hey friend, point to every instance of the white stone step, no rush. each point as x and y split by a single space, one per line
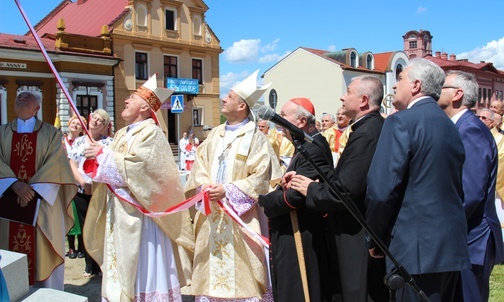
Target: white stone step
15 269
52 295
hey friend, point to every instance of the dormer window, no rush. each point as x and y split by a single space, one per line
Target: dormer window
369 61
353 59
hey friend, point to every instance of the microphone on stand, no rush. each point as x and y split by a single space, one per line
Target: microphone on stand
267 113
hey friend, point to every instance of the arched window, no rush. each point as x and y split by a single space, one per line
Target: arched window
141 15
353 61
399 69
197 25
369 61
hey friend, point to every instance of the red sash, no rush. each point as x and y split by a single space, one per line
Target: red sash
22 162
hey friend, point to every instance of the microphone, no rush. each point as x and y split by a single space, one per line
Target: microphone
267 113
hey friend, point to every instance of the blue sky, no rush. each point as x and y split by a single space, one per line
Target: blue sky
256 34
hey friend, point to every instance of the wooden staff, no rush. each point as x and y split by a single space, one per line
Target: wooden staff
300 254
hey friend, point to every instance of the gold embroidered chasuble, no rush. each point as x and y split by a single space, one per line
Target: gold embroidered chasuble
228 263
499 140
145 162
51 166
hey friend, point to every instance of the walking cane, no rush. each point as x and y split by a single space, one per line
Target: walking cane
300 254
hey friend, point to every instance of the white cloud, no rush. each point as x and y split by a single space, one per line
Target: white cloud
247 51
421 10
270 46
332 47
228 80
273 57
492 52
243 51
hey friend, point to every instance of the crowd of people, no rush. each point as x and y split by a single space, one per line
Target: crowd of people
282 219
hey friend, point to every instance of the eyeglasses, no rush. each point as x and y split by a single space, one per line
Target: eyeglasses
449 86
482 117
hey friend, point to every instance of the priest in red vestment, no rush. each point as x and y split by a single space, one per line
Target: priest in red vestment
34 167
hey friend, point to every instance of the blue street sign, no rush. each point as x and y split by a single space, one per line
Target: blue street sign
177 103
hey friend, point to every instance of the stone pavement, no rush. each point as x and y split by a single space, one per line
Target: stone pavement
75 283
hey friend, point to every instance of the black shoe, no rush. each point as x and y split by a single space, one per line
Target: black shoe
80 255
72 254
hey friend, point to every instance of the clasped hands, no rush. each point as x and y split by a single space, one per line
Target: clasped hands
24 192
297 182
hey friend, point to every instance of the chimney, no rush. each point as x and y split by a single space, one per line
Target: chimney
79 2
438 54
444 56
453 57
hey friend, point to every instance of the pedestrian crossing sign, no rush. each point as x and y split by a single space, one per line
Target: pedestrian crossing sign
177 103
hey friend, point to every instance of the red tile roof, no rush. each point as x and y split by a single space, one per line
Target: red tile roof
381 60
24 42
28 43
449 64
83 19
322 53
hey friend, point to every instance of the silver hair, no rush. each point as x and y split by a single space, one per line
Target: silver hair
331 116
37 97
492 116
310 118
429 74
372 87
467 82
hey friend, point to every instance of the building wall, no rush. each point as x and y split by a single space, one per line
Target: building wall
303 74
37 72
158 42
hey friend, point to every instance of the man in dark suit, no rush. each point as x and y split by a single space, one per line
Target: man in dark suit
459 94
414 194
280 204
361 103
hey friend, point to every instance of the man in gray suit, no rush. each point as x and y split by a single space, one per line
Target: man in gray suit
414 193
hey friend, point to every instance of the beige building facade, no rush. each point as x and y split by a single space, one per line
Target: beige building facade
170 38
105 50
323 76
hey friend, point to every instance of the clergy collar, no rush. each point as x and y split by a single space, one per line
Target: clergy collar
26 126
237 126
133 126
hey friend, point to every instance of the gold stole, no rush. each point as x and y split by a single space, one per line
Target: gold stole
22 163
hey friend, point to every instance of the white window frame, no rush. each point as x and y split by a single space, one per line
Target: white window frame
3 104
372 61
175 18
200 115
202 68
178 62
148 60
94 91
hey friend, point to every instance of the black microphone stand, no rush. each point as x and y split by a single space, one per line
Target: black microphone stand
395 279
